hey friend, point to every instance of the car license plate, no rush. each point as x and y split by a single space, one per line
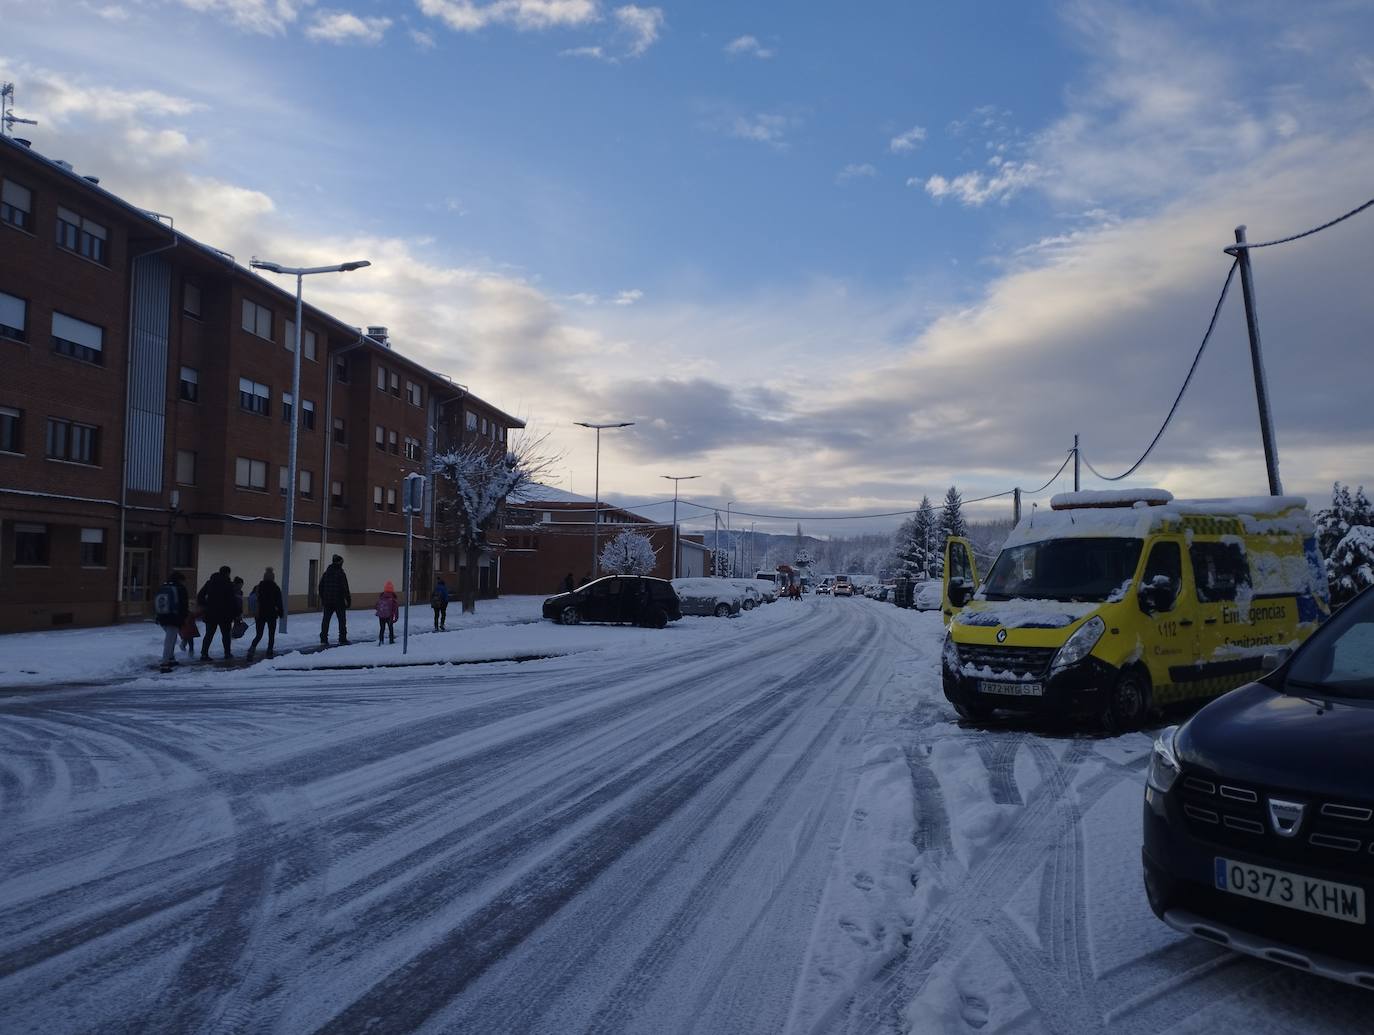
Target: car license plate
1291 890
988 686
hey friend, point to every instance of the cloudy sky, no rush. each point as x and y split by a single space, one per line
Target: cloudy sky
829 257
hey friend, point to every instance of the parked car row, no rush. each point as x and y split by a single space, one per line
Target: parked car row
653 603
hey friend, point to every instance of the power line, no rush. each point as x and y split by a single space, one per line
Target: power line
1216 312
1297 237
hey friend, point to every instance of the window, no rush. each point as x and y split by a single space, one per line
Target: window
183 550
30 546
11 430
13 317
377 498
391 500
380 439
413 394
308 414
381 379
412 448
336 493
77 338
391 442
250 474
190 385
76 443
1219 570
16 205
287 409
306 481
341 370
1165 563
283 479
257 319
186 467
484 425
190 299
307 340
396 385
78 234
254 397
93 548
340 431
502 434
470 419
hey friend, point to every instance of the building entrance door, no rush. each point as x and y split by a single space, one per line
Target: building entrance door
136 592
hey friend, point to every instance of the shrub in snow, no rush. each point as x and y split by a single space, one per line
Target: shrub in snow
629 553
1351 564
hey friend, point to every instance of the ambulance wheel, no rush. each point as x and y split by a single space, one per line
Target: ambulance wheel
1128 703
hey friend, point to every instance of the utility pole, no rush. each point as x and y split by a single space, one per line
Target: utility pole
1075 463
1016 506
1247 289
675 479
596 507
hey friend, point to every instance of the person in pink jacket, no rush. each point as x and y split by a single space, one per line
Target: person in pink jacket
387 609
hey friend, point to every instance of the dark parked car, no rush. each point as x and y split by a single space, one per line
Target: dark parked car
623 599
1259 810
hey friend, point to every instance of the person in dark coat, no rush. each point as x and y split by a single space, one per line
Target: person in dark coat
335 599
568 584
439 601
268 595
173 609
221 606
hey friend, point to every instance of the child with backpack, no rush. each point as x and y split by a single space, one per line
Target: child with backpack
439 601
387 609
171 605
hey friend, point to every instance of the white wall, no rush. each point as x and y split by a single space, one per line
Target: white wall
367 567
691 560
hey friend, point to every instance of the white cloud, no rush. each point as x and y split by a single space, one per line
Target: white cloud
109 12
422 39
267 17
596 53
975 189
629 297
855 171
346 27
908 141
748 46
763 128
525 15
641 25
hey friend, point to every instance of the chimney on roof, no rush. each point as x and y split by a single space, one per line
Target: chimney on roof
92 179
62 163
379 334
22 142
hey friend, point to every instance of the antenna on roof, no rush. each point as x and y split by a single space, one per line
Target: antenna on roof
8 119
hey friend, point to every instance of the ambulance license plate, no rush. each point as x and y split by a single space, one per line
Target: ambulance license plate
989 686
1291 890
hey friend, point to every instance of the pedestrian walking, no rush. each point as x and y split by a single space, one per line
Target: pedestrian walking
387 609
172 606
190 631
335 599
221 606
439 601
266 597
568 584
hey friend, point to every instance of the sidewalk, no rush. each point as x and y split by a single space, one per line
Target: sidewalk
114 653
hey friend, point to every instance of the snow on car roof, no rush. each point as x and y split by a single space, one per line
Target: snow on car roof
1257 514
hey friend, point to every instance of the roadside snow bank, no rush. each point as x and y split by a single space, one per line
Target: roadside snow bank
975 820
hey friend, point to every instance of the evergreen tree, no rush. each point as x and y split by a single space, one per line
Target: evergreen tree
917 543
1350 568
1348 511
951 517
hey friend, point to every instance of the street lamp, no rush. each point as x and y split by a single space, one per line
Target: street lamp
675 478
728 537
299 272
596 509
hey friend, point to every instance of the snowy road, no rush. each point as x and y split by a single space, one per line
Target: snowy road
760 825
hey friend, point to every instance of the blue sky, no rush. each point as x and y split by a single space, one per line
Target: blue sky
828 256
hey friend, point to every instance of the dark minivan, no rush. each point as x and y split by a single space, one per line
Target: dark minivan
1259 810
627 599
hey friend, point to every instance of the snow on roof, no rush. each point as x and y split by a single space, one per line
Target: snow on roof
1109 498
537 492
1257 514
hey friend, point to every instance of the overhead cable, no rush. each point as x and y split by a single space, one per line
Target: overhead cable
1211 326
1232 249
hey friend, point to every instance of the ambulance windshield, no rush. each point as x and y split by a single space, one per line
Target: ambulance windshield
1063 569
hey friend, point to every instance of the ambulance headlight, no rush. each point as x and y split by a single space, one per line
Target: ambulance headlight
1079 645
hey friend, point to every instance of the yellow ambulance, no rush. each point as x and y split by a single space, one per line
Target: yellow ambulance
1114 603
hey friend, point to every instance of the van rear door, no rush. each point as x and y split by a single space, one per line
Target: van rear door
961 574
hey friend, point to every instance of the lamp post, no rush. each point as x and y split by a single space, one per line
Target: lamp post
675 478
299 272
728 537
596 508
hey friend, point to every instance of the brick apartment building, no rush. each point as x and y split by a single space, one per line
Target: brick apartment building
548 535
145 415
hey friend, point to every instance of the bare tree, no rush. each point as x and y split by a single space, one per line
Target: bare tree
471 484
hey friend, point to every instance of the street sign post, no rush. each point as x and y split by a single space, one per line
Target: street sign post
413 499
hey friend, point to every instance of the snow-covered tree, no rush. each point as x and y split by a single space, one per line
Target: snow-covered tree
629 553
1351 564
919 542
1347 510
803 559
471 484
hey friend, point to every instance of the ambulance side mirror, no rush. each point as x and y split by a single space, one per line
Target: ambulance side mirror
1158 594
960 591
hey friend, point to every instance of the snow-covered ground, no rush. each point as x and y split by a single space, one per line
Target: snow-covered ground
772 824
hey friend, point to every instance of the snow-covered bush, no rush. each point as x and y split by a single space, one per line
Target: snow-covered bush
629 553
1351 564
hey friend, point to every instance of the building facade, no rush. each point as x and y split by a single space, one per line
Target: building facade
146 411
